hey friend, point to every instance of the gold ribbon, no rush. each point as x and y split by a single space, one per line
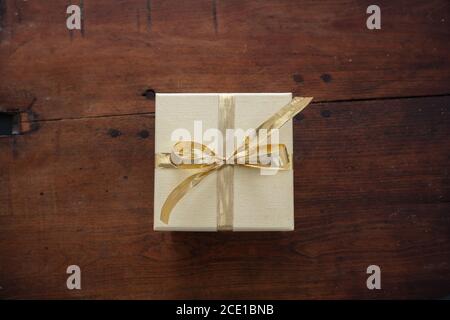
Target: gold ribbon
225 176
194 155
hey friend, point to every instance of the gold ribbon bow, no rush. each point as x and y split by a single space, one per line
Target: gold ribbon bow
194 155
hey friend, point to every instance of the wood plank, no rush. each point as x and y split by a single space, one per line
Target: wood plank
314 48
371 187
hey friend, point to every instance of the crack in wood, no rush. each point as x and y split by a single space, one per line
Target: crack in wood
152 113
83 18
18 11
214 14
2 16
149 15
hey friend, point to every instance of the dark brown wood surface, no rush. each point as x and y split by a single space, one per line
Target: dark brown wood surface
372 168
315 48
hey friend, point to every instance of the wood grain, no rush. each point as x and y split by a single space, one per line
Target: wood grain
371 187
314 48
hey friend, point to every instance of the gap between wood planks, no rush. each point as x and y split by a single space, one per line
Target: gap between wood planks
152 113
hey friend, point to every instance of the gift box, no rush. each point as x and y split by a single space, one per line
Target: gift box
212 196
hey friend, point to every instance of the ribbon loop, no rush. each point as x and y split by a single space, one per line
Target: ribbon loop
192 155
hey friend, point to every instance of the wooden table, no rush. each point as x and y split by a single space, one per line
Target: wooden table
372 184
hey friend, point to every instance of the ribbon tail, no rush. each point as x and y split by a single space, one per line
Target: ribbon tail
276 121
285 114
181 190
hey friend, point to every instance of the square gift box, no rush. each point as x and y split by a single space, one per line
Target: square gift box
258 202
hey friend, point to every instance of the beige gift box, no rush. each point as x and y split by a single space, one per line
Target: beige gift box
260 202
